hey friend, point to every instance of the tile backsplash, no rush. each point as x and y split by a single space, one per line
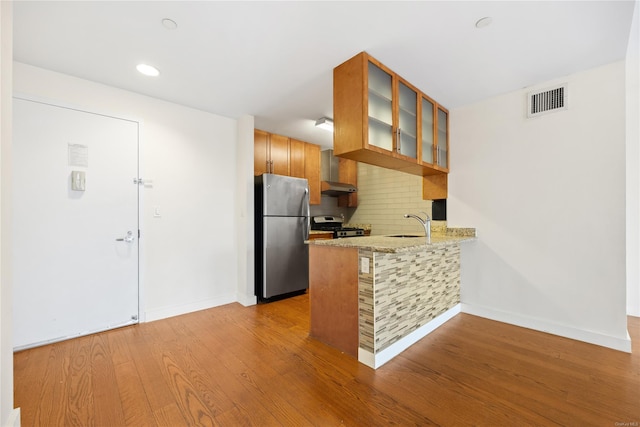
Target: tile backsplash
384 196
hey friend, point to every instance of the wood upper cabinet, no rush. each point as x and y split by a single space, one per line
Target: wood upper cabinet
286 156
442 139
435 150
271 153
312 171
434 134
261 157
296 158
435 187
279 152
348 173
427 130
381 119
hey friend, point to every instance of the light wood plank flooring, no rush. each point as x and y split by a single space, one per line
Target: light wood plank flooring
235 366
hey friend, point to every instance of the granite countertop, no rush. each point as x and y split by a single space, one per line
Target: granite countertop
400 244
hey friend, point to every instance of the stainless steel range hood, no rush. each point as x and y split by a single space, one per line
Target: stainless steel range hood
330 185
332 188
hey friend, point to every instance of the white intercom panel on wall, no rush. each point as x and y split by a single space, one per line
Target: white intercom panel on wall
77 181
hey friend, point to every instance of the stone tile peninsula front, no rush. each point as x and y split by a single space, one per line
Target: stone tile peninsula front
372 297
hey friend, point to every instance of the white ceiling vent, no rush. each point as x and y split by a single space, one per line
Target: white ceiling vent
547 101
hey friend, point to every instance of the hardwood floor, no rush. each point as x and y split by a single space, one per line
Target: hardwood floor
233 366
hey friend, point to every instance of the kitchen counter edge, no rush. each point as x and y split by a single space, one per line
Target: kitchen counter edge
400 244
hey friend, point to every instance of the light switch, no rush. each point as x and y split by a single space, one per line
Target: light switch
364 265
156 212
77 180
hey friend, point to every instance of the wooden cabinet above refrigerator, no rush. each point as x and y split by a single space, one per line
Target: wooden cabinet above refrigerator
286 156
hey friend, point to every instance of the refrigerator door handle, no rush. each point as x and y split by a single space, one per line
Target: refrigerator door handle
307 214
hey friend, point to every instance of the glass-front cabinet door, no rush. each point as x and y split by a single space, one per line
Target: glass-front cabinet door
443 130
384 120
427 131
407 132
380 107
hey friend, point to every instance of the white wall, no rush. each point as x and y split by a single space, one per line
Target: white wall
245 212
633 165
189 255
8 416
547 196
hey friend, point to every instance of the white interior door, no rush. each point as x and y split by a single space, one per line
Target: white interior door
75 268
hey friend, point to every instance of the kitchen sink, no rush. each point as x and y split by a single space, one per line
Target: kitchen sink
405 235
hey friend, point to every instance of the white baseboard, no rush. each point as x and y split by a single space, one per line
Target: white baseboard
590 337
247 300
14 418
177 310
376 360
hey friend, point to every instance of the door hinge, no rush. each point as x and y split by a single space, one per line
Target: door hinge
138 234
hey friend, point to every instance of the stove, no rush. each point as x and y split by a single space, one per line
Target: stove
334 224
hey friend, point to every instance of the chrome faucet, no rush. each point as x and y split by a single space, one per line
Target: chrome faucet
426 223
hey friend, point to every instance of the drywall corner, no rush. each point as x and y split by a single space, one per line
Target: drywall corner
7 412
244 211
632 155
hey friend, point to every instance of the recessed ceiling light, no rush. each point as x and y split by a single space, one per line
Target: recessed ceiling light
169 24
484 22
148 70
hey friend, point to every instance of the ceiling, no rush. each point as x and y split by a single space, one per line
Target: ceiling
274 60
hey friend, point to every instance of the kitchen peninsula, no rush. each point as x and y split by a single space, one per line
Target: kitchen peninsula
372 297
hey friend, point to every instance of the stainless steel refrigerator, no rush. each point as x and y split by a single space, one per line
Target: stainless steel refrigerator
281 227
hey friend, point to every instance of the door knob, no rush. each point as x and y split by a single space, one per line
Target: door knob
128 238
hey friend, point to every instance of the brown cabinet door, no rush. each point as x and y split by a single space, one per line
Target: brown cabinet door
312 172
289 157
279 151
296 158
406 115
427 131
442 139
348 173
260 152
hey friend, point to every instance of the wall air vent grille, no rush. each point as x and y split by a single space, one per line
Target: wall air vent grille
547 101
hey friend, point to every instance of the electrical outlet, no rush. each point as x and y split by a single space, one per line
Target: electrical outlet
364 265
